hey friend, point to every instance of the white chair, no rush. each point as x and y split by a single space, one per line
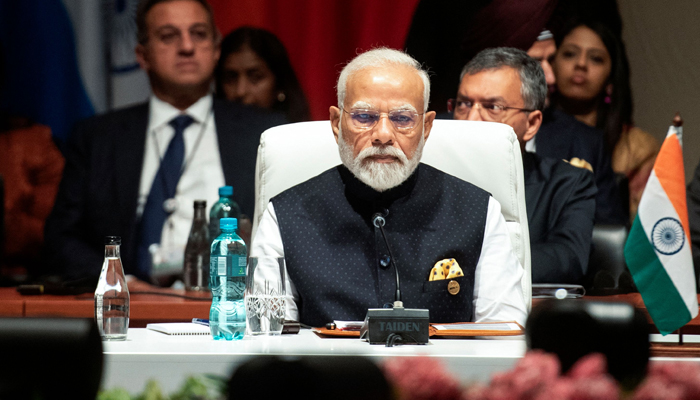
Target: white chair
486 154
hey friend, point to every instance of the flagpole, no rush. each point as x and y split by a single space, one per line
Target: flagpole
678 122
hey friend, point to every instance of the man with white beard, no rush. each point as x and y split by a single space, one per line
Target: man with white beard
337 260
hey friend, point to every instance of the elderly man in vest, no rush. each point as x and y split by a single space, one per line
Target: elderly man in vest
337 261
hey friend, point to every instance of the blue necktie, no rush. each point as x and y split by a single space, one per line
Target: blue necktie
163 188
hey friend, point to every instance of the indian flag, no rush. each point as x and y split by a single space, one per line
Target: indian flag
658 246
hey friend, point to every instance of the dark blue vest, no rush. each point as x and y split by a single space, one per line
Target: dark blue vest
338 260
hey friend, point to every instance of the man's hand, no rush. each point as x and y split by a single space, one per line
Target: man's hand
581 163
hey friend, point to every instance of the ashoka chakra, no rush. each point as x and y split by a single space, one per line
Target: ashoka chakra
667 236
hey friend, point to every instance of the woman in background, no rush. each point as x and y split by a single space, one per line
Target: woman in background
254 69
592 75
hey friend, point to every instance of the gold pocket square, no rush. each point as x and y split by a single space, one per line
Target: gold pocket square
445 269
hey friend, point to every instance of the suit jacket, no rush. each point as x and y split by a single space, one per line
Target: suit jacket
561 136
560 201
98 194
694 220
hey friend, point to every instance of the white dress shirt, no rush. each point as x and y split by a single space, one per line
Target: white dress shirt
498 294
203 174
531 146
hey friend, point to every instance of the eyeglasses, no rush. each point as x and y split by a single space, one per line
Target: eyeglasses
199 34
367 119
487 110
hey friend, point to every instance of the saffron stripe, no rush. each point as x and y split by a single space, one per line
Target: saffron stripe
670 171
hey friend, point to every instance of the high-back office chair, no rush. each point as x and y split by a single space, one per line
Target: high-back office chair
607 270
50 358
486 154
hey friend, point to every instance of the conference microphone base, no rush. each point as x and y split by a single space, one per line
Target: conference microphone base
396 325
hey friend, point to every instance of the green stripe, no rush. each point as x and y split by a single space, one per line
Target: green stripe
661 297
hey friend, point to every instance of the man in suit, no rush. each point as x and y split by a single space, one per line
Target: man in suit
562 136
135 172
506 85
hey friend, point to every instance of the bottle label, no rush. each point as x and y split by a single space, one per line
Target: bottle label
231 265
238 270
221 268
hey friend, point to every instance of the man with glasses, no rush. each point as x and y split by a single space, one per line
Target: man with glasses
337 260
135 172
506 85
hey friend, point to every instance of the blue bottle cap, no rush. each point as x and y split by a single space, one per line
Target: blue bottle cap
228 223
226 191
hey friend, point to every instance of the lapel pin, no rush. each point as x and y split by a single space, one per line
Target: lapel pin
453 287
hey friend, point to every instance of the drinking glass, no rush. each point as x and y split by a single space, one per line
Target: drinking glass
265 295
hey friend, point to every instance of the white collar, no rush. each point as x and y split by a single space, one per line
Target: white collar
161 112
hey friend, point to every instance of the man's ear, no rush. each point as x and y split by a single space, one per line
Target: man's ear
428 119
217 44
335 121
534 121
217 52
141 57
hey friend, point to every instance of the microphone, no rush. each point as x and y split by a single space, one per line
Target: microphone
398 324
378 221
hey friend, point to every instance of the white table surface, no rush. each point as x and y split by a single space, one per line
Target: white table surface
170 359
148 355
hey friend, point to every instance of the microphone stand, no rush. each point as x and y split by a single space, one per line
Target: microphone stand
397 324
378 221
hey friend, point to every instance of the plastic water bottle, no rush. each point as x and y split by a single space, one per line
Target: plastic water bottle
112 294
227 270
225 207
196 270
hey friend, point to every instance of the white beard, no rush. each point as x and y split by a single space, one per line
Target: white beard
379 176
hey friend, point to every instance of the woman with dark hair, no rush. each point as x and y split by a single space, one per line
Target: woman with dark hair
592 74
254 69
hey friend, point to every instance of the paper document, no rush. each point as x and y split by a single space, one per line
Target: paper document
179 328
348 325
504 326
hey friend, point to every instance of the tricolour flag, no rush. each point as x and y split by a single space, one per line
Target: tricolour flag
658 246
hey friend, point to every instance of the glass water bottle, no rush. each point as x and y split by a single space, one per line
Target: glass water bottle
112 294
196 271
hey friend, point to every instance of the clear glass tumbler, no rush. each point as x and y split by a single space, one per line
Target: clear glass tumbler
265 295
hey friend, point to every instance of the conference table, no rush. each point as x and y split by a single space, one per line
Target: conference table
148 354
169 360
148 304
153 304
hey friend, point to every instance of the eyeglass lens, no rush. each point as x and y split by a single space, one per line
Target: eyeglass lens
401 119
486 109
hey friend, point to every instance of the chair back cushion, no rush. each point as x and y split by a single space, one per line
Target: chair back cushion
486 154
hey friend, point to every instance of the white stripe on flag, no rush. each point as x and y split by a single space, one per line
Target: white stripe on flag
654 206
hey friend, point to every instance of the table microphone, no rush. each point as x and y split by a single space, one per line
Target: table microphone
398 324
